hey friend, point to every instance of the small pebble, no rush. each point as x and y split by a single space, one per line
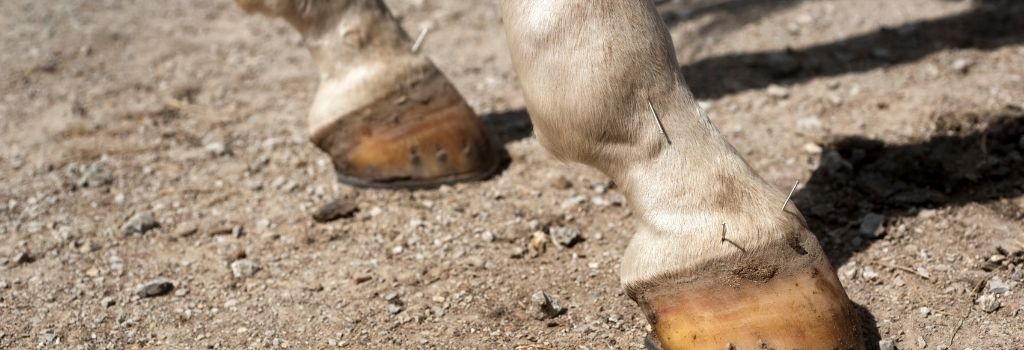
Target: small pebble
107 302
334 210
217 148
869 273
394 309
812 148
997 286
561 183
988 303
538 243
777 91
564 236
487 236
921 343
543 306
811 123
95 175
886 345
573 202
962 65
244 268
872 225
47 338
22 258
140 223
154 288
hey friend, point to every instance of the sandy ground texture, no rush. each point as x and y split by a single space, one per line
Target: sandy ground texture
162 144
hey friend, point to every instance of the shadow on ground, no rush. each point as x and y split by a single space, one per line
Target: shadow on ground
989 25
976 158
725 15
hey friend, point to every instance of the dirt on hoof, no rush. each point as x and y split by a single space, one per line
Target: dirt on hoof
193 112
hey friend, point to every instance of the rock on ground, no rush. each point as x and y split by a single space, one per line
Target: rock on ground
244 268
140 223
543 306
154 288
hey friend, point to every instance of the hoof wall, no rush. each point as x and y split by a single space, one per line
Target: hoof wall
807 310
425 136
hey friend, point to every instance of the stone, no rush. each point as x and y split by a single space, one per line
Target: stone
871 225
921 343
95 175
217 148
154 288
543 306
777 91
487 236
869 273
23 257
924 311
573 202
810 123
334 210
997 286
833 162
107 302
886 345
48 338
538 243
988 303
812 148
561 183
394 309
564 236
244 268
962 65
140 223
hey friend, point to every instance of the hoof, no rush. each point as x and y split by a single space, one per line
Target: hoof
421 135
807 309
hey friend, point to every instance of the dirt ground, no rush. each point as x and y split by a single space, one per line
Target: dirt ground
908 111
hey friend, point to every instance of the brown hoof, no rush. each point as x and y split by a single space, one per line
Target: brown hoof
804 310
421 135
